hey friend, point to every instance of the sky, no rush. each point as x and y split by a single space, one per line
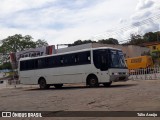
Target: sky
65 21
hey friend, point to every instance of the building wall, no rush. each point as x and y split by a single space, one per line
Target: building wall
128 50
74 48
154 47
135 51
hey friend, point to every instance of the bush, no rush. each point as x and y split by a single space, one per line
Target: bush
6 65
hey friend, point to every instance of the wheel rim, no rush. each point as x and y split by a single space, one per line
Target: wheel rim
42 84
93 81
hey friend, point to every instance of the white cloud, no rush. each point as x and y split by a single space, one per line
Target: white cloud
11 6
146 18
140 15
63 22
144 4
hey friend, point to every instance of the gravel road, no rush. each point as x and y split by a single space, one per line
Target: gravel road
142 95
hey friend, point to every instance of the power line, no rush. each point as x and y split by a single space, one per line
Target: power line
138 24
154 17
118 32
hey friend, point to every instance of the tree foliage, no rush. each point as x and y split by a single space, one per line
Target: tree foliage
103 41
41 43
147 37
109 41
80 42
18 42
152 36
6 65
136 39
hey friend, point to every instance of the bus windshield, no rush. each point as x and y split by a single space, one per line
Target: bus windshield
117 59
105 59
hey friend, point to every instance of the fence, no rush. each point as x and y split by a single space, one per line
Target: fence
145 74
13 82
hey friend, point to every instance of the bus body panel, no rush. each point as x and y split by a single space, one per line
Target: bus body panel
118 74
27 77
72 74
68 77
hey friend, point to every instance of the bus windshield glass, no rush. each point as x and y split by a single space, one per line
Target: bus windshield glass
106 58
117 59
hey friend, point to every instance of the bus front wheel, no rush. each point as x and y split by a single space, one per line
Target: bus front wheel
42 84
92 81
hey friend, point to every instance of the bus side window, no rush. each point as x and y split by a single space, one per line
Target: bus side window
51 62
26 65
88 57
84 57
66 60
69 59
22 65
41 63
62 60
31 64
76 59
46 62
96 58
35 63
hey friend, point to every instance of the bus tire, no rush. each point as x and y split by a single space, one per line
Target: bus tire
43 84
107 84
58 86
48 86
92 81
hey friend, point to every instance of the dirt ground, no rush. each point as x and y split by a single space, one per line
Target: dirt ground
142 95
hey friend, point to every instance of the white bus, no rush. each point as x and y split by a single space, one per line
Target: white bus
92 66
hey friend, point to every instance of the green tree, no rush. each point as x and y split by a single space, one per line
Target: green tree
1 49
147 37
137 40
109 41
150 36
17 43
6 65
26 43
11 43
80 42
41 43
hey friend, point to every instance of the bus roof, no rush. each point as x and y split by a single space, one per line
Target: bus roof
75 51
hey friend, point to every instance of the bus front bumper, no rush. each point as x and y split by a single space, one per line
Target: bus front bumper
117 78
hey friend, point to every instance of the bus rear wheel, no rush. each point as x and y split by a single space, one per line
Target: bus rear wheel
58 86
93 81
42 84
